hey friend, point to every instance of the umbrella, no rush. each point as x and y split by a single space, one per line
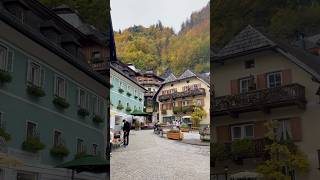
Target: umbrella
139 113
86 163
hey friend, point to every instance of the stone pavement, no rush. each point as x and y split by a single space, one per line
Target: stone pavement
150 157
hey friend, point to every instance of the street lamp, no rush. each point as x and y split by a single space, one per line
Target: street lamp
226 169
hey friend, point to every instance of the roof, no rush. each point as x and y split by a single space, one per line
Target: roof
170 78
187 74
249 39
255 41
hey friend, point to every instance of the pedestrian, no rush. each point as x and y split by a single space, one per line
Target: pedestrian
178 124
126 131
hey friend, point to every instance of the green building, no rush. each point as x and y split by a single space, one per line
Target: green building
51 101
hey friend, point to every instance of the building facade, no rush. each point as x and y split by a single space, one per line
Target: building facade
151 82
260 82
49 96
177 98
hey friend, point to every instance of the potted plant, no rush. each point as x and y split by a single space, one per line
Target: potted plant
4 134
121 90
184 128
128 94
241 149
35 90
128 109
59 151
83 112
97 119
5 77
120 106
32 144
174 134
60 102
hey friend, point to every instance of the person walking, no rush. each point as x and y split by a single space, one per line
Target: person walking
126 131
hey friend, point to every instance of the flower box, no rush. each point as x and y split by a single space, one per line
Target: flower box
59 151
35 91
97 119
32 144
175 135
5 135
184 129
60 102
5 77
83 112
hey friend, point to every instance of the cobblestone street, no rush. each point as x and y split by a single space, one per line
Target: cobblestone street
150 157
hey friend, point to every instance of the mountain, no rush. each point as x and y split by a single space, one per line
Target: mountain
158 48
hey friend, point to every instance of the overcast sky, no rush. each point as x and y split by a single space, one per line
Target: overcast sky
126 13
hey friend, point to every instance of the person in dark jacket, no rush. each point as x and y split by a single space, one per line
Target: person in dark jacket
126 131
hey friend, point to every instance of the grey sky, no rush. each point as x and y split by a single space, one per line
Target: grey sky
126 13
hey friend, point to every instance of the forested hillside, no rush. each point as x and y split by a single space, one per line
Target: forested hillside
159 48
282 18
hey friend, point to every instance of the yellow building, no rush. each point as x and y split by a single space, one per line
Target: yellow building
177 98
258 79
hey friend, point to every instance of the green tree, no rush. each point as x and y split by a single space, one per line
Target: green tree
197 115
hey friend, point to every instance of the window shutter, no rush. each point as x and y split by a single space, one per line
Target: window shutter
235 86
296 130
42 78
261 81
287 77
10 61
223 134
260 129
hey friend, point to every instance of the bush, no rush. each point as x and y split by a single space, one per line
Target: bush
61 102
97 119
242 149
218 151
4 134
32 144
59 151
35 91
121 90
83 112
5 77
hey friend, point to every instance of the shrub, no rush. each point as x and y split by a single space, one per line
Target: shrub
242 149
35 91
61 102
128 94
83 112
97 119
121 90
32 144
218 151
5 77
4 134
59 151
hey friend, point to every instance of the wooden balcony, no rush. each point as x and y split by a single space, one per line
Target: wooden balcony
194 92
264 100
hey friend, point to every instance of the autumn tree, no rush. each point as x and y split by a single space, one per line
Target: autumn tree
197 115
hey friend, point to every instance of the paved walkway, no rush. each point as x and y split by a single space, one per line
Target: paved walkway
150 157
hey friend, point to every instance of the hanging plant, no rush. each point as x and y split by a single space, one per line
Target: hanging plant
33 144
35 91
5 77
83 112
121 90
60 102
97 119
59 151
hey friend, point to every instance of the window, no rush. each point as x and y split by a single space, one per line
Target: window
31 129
244 85
98 105
283 130
94 149
80 146
60 87
6 59
83 99
249 64
57 139
35 74
242 131
198 102
274 79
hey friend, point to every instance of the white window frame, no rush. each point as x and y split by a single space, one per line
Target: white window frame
33 123
274 73
243 89
56 130
56 90
243 135
82 145
41 74
8 59
85 105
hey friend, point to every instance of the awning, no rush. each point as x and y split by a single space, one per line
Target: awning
139 113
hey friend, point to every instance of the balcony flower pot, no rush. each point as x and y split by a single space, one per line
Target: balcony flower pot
136 97
59 151
120 107
128 109
60 102
35 91
128 94
121 90
97 119
4 134
83 112
32 144
174 134
5 77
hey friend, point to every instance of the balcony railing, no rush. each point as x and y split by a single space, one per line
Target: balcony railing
292 94
194 92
